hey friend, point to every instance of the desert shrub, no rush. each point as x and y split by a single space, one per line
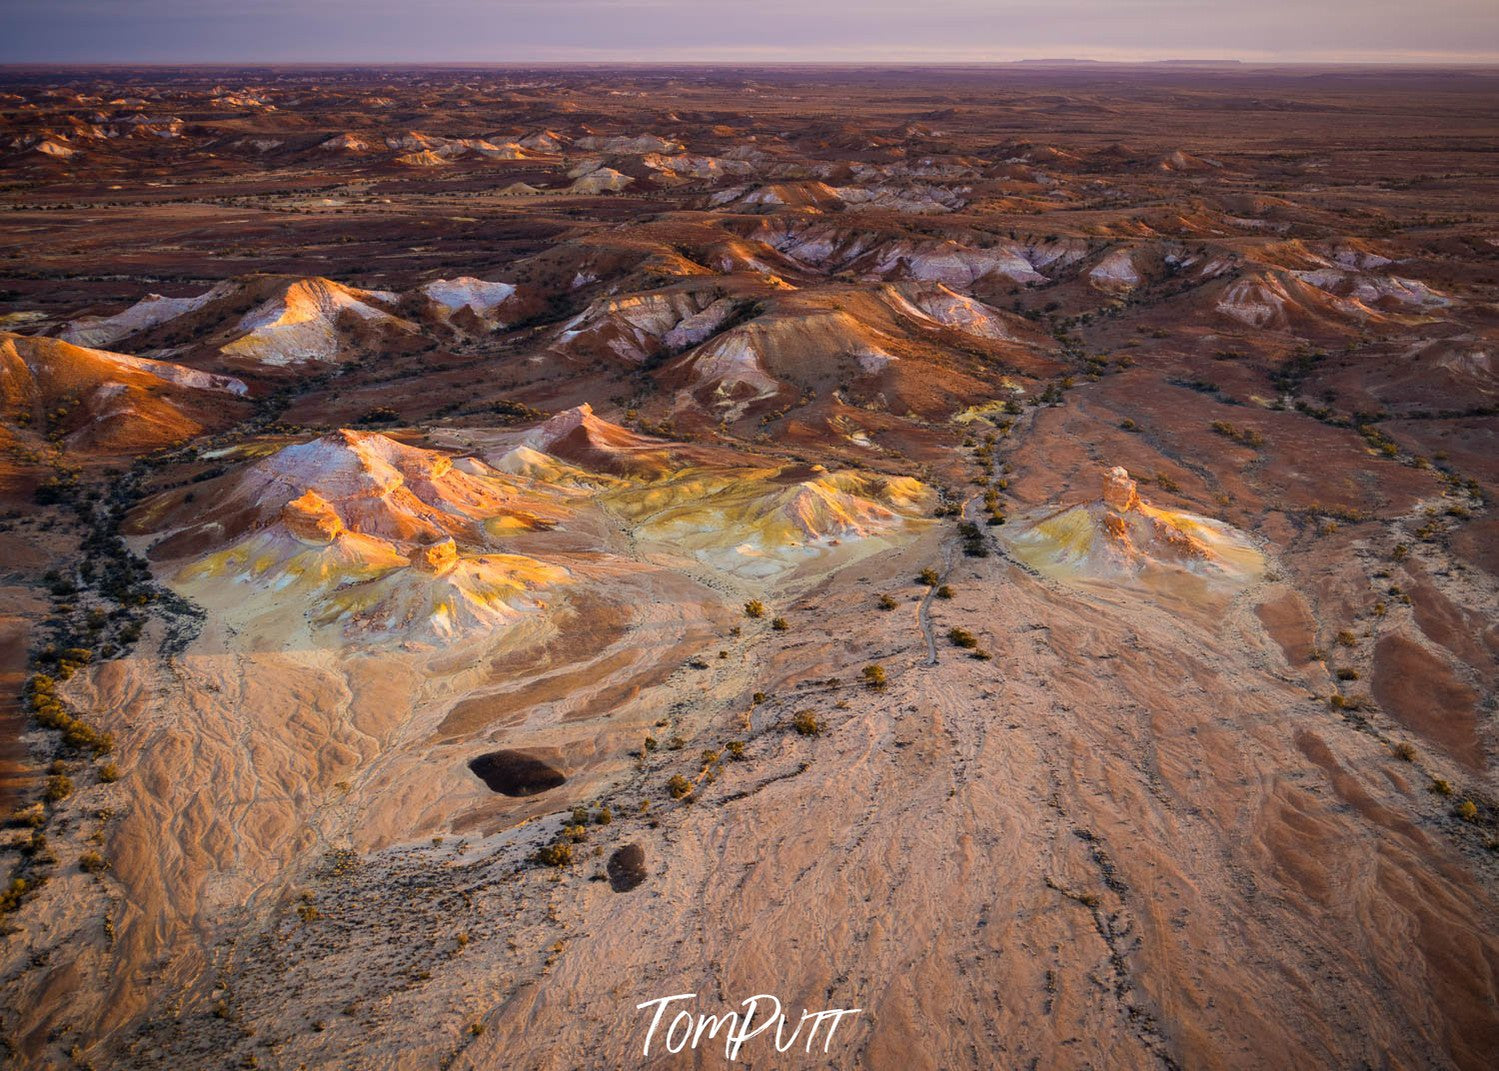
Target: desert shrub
34 816
1405 751
886 602
516 410
92 863
945 591
973 540
576 833
59 787
1467 810
11 898
678 787
928 577
805 722
381 414
109 773
780 624
1346 674
558 853
1243 436
1441 786
754 608
874 675
1347 639
735 748
961 637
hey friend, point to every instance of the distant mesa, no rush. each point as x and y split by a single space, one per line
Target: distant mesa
151 311
349 143
601 180
946 307
423 158
477 297
303 323
1185 161
630 145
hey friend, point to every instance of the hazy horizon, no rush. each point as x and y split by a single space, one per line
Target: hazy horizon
721 31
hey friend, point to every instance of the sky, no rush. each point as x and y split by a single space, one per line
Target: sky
731 31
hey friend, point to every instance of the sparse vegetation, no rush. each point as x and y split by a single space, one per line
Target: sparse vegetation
961 637
806 723
874 675
974 544
1242 436
754 608
558 854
